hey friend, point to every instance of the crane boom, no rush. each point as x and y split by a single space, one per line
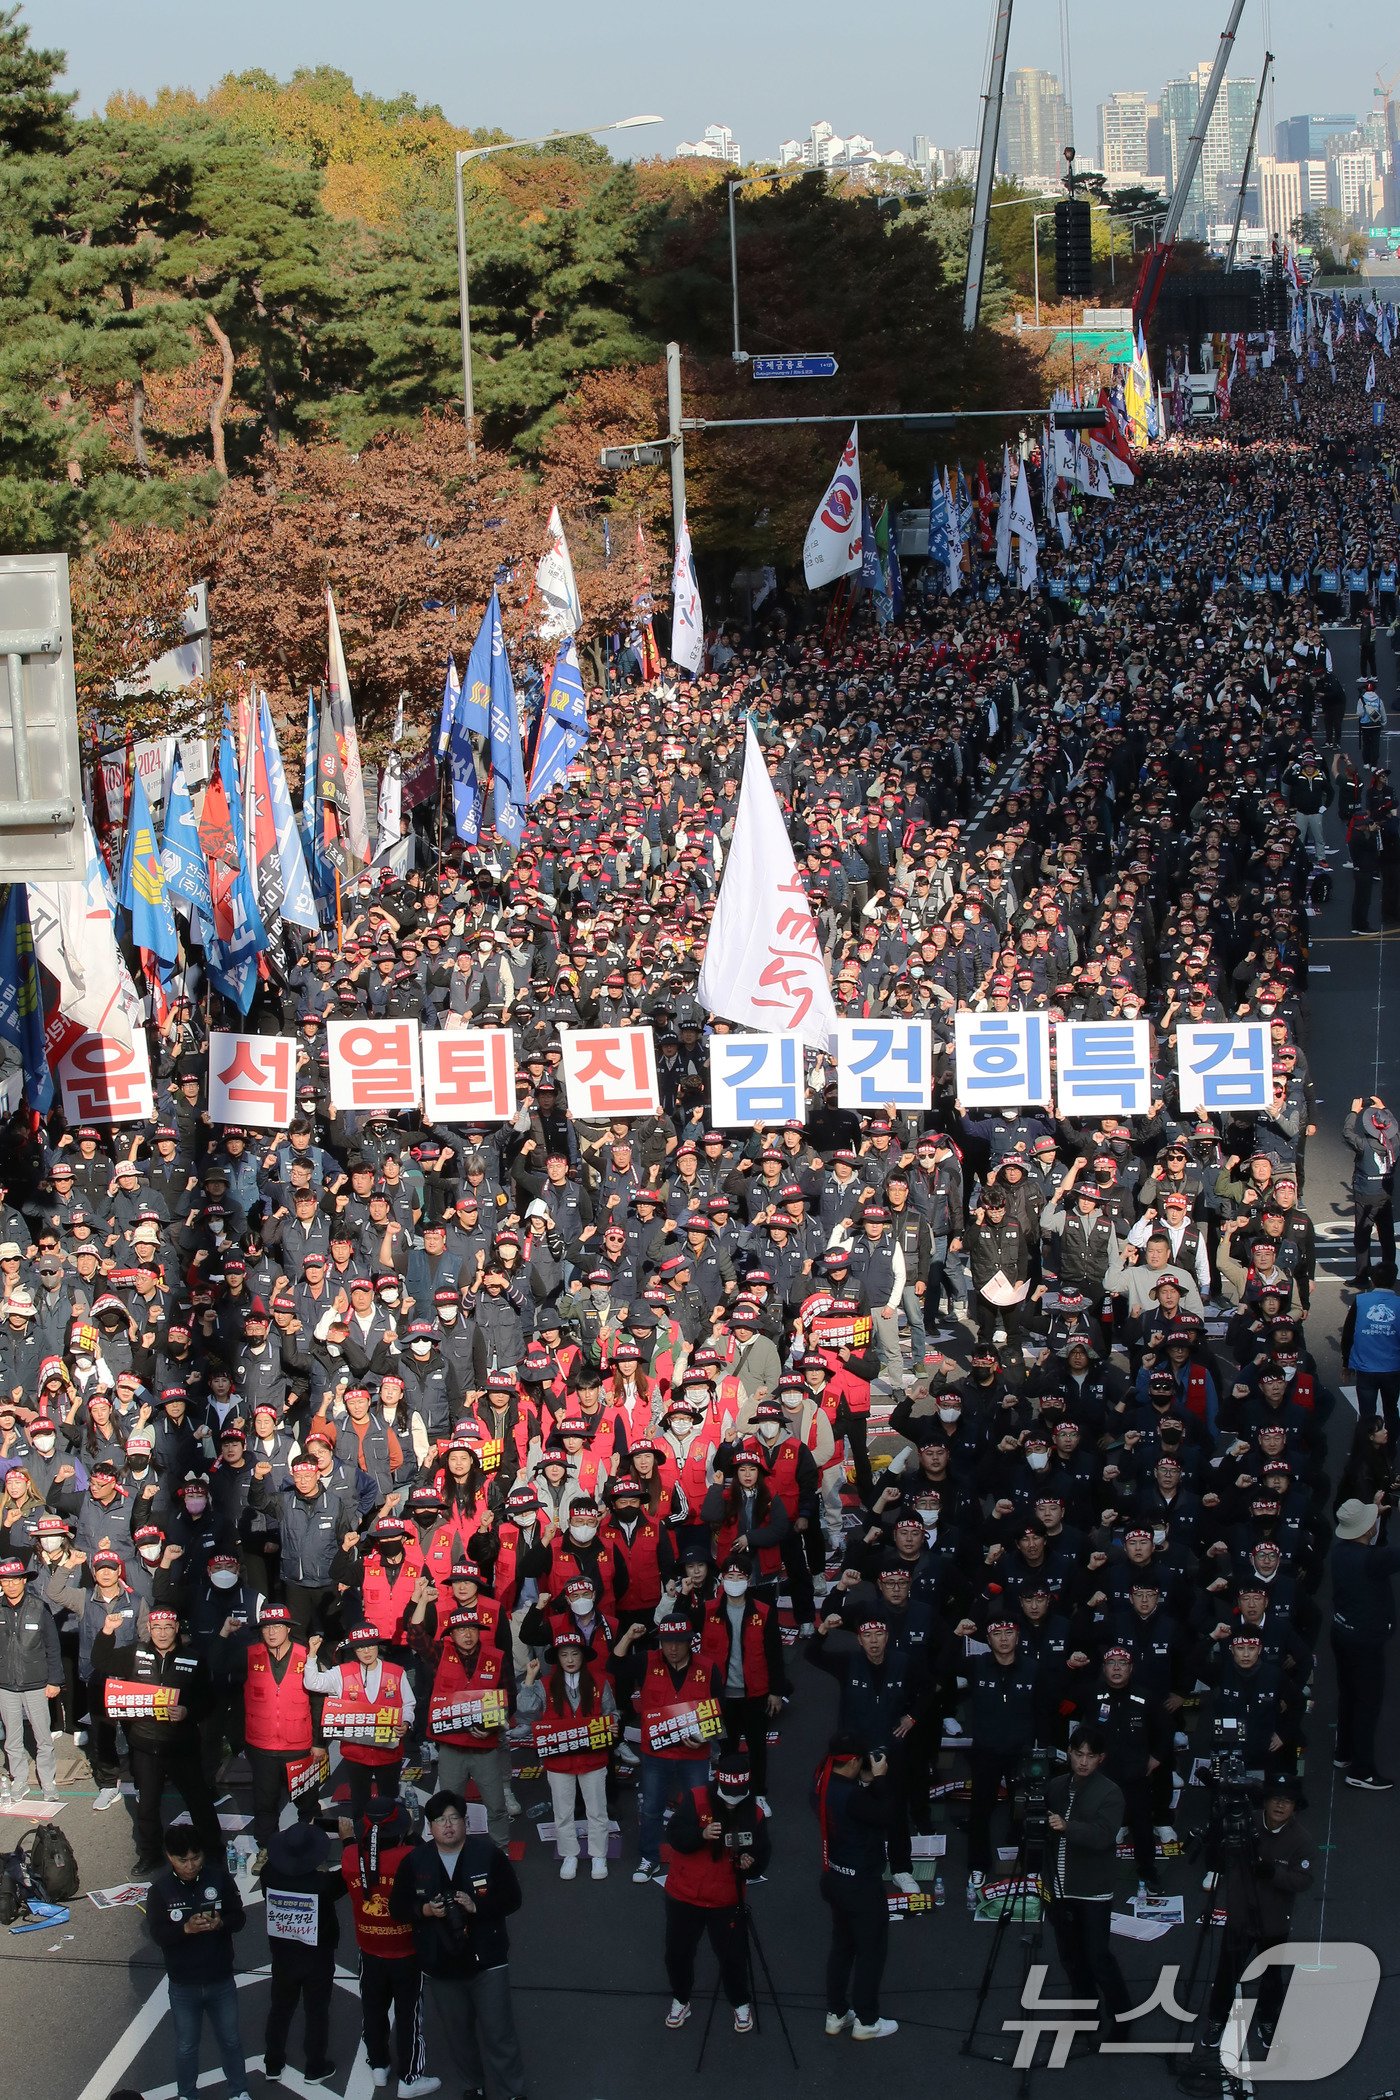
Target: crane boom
1154 268
1248 159
987 162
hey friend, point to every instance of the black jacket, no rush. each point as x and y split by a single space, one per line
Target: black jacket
29 1651
482 1872
1083 1859
197 1957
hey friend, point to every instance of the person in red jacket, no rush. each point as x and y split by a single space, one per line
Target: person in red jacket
391 1980
468 1673
276 1718
680 1712
740 1635
574 1712
377 1702
718 1838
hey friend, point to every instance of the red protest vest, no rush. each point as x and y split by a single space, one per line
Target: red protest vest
565 1566
557 1709
658 1692
387 1604
714 1643
782 1474
453 1680
375 1931
277 1716
639 1561
705 1878
352 1692
770 1558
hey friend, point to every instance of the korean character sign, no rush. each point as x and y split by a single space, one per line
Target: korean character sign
1002 1060
252 1079
1103 1068
755 1079
468 1075
1225 1066
884 1063
104 1081
610 1072
375 1065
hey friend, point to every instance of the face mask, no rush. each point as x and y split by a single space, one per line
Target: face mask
82 1362
729 1799
735 1585
769 1431
584 1533
422 1350
43 1445
223 1578
195 1505
581 1607
447 1314
150 1554
950 1414
929 1519
1037 1460
52 1554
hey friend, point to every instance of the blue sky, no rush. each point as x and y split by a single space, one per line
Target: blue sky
767 69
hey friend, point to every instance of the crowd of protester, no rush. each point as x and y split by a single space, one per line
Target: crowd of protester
614 1420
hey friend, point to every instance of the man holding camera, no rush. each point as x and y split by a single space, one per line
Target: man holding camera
192 1912
853 1801
1257 1887
457 1892
718 1838
1084 1813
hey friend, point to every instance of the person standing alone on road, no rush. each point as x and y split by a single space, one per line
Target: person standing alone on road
1363 1621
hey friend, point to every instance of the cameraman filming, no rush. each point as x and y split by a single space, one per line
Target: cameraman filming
852 1797
1084 1813
1256 1887
718 1838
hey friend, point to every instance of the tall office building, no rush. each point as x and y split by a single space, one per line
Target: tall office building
1351 183
1035 127
1123 133
1281 199
1226 142
1305 138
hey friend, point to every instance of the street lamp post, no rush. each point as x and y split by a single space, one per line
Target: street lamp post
548 138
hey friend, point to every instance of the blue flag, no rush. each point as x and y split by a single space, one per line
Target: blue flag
298 906
474 703
564 726
310 816
233 964
937 531
182 857
21 1001
141 891
451 700
871 574
507 763
468 787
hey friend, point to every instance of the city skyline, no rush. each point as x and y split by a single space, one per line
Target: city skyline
595 65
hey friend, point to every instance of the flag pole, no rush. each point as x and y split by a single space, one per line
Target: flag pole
339 924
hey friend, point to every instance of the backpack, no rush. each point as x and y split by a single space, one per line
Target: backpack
47 1872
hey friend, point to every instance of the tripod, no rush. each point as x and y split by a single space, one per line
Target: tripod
1030 1859
753 1945
1203 2072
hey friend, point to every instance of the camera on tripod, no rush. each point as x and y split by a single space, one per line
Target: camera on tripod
1229 1833
1028 1804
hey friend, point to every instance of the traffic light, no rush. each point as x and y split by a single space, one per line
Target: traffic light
1074 259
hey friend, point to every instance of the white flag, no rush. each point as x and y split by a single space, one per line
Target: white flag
1023 525
343 718
950 512
687 625
554 580
763 960
389 814
833 544
1371 374
75 940
1004 514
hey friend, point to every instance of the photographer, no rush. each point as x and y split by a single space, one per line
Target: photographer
457 1892
1363 1625
852 1800
718 1838
1085 1812
1257 1885
192 1912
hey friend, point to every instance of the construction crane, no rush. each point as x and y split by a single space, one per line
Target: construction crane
1154 265
1248 159
987 161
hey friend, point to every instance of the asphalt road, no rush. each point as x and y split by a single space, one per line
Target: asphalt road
83 2010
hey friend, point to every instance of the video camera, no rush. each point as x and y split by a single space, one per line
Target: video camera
1028 1795
1230 1828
